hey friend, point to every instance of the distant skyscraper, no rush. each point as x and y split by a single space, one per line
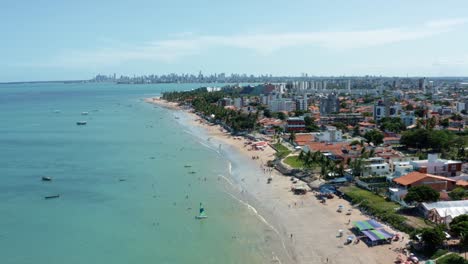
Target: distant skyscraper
422 84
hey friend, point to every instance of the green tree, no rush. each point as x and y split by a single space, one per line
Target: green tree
420 112
456 117
292 137
444 122
374 136
421 194
267 113
409 107
452 258
356 130
459 225
310 124
340 126
281 115
433 238
393 124
357 166
458 193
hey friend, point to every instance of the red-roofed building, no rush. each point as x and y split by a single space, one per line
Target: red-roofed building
365 127
416 178
302 139
462 183
391 140
339 150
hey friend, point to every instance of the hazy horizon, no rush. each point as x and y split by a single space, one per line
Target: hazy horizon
76 41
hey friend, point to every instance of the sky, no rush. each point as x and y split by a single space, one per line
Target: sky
71 40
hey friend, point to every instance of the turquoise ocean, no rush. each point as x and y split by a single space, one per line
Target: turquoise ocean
125 193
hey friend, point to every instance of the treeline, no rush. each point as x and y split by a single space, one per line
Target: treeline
437 140
205 102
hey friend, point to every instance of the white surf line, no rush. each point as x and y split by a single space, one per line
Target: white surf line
259 216
228 180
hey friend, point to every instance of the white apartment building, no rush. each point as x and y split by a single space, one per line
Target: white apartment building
330 135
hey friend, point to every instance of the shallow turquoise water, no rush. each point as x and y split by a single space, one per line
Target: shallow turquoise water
147 218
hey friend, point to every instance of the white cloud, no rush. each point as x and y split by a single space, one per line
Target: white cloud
187 44
444 23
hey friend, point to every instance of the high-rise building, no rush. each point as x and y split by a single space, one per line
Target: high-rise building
422 84
302 103
282 104
385 108
329 104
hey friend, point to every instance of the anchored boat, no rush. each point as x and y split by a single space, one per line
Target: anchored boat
201 214
52 196
46 178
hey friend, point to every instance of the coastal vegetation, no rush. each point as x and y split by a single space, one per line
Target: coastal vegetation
327 166
205 103
281 150
452 258
442 141
294 162
377 206
420 194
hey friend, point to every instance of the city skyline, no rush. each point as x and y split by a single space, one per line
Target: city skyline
421 38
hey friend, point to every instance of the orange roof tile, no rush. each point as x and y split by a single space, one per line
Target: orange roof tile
415 176
335 148
462 183
302 139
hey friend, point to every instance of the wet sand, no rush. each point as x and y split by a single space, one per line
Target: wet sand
307 228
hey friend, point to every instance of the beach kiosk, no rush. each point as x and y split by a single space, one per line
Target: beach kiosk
373 232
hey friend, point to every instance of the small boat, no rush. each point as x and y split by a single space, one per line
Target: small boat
52 196
57 111
81 123
46 178
187 166
84 113
202 214
192 172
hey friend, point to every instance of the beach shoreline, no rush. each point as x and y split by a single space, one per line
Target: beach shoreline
307 229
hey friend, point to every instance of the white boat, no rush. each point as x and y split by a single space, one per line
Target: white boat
84 113
202 214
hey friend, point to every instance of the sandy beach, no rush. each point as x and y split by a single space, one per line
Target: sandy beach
307 228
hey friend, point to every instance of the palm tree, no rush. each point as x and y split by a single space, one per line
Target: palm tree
301 155
292 137
357 165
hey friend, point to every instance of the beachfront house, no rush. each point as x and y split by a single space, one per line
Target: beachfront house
436 166
376 166
415 178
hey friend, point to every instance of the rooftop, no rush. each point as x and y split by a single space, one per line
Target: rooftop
448 208
415 176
